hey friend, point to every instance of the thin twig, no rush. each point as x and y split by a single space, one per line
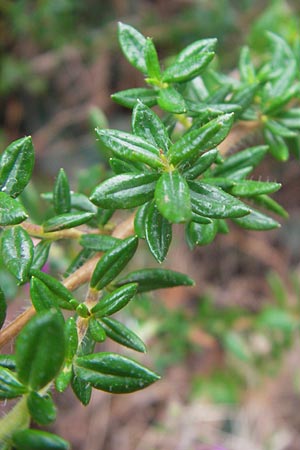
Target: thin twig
72 282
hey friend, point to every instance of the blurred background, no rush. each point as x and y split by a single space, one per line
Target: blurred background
227 349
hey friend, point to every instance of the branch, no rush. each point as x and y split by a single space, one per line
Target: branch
72 282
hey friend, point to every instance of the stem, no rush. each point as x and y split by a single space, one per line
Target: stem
72 282
38 232
17 419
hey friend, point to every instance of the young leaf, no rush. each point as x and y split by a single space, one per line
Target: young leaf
98 242
40 254
257 221
147 125
41 408
200 234
150 279
125 191
65 298
40 349
121 334
113 373
129 97
213 202
11 211
169 99
16 166
201 165
187 67
61 194
133 46
113 262
17 252
205 138
68 220
96 330
278 129
10 386
129 147
115 301
38 440
151 60
158 233
172 197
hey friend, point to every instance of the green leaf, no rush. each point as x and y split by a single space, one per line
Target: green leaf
10 386
2 308
40 254
213 202
113 262
98 242
61 194
276 319
158 233
121 334
169 99
188 66
275 104
278 129
243 97
250 188
236 345
11 211
198 218
125 191
140 221
68 220
201 234
129 97
17 252
38 440
82 389
129 147
203 45
205 138
172 197
71 338
151 60
277 145
133 46
40 349
147 125
96 330
119 166
111 303
64 378
246 68
249 157
16 166
65 299
290 118
42 298
257 221
41 408
8 361
114 373
270 204
150 279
